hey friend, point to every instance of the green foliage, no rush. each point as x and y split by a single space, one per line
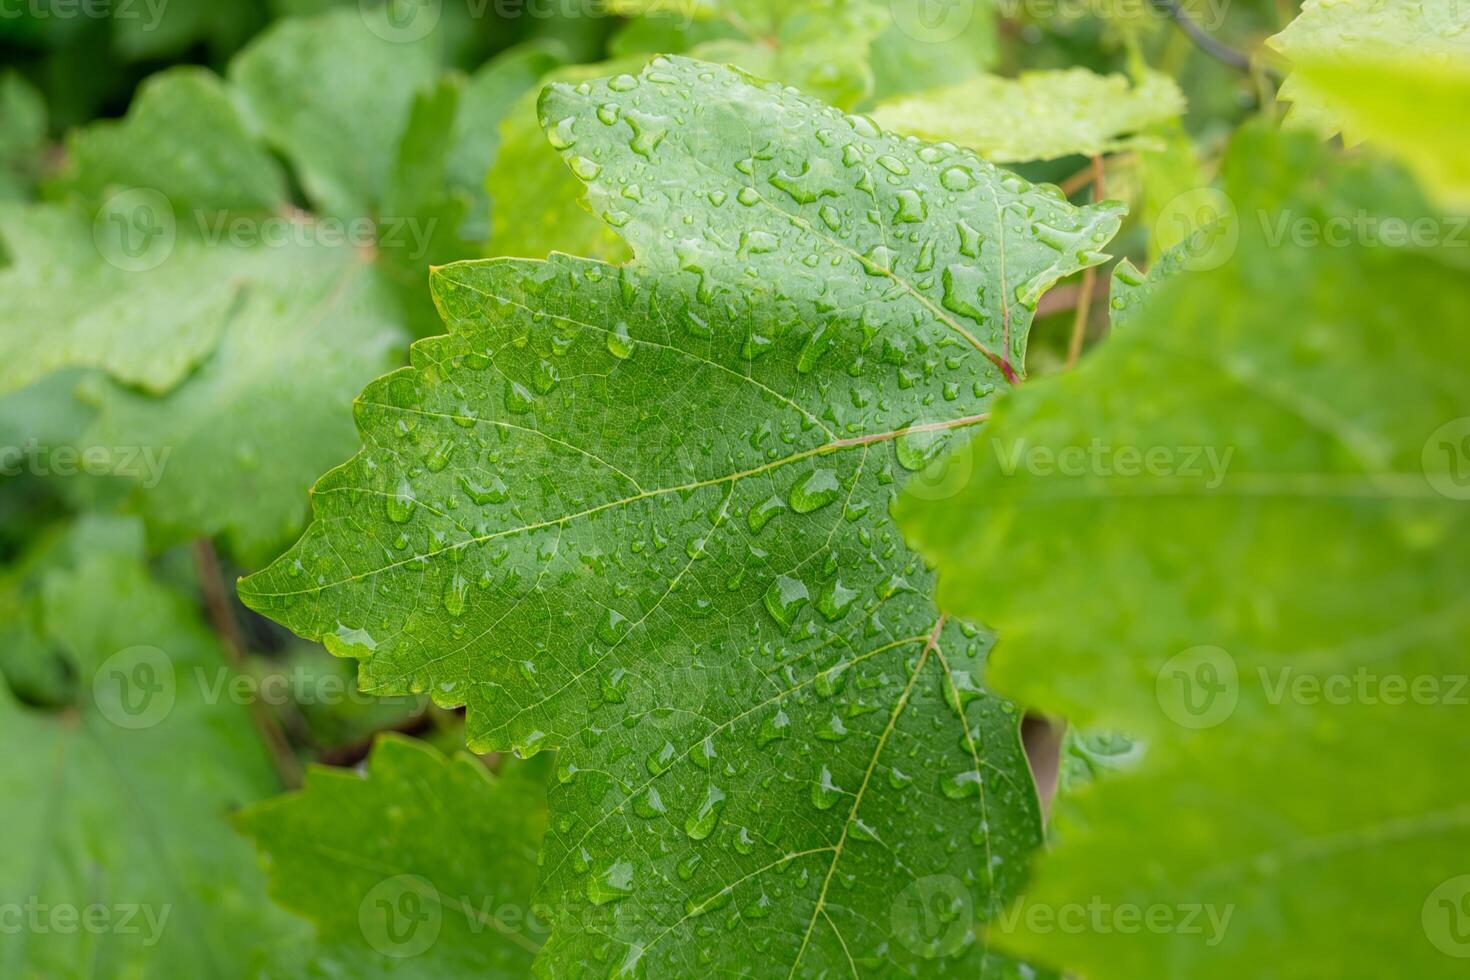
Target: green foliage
22 136
1312 434
1039 116
179 267
97 814
634 512
535 471
422 858
842 51
1434 33
1370 96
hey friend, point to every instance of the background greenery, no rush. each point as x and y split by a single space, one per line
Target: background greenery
217 227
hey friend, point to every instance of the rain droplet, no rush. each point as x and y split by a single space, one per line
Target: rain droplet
814 491
785 598
701 821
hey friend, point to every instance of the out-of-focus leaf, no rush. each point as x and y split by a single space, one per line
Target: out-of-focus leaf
334 96
230 452
1419 111
117 811
1240 530
1427 33
1039 116
22 136
929 45
63 305
422 867
183 137
488 97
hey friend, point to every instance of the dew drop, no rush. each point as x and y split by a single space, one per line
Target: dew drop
825 793
814 491
701 821
401 504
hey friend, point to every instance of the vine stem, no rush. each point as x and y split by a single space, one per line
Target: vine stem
1203 39
216 599
1089 279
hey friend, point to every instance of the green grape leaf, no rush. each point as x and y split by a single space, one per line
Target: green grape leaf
221 165
78 293
179 270
1370 96
640 514
316 88
1428 33
538 202
1041 115
1131 288
819 46
489 97
423 863
1259 538
1087 757
927 45
231 452
167 28
22 135
118 840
